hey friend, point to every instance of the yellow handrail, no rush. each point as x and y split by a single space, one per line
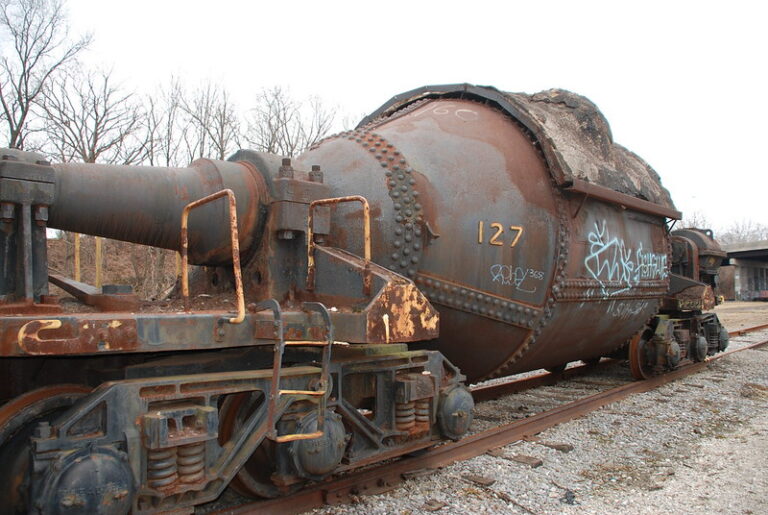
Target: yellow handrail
235 250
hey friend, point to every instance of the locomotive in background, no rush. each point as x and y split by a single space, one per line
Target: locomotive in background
459 233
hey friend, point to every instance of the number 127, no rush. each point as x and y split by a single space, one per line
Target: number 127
498 234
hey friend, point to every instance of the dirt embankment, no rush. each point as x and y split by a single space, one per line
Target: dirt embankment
150 271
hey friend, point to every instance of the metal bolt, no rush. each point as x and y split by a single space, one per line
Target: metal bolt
7 211
41 213
43 430
286 170
316 175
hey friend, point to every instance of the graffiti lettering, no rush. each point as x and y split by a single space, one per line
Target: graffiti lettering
626 310
507 275
610 260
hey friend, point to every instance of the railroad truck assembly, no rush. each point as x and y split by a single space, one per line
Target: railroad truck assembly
340 302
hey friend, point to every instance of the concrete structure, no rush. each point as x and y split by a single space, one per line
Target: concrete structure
750 271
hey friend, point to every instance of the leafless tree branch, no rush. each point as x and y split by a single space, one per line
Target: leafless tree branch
280 125
89 119
40 49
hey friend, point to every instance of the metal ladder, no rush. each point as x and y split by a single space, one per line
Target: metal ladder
318 396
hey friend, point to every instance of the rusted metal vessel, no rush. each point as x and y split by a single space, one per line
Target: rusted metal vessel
539 240
459 233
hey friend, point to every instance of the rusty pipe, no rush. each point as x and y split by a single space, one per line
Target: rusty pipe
144 204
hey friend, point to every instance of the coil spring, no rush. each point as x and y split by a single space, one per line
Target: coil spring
191 462
422 411
405 415
161 467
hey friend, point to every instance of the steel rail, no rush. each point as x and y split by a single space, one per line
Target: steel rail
495 390
481 393
742 332
384 477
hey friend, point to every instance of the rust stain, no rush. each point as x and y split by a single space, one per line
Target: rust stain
404 314
93 336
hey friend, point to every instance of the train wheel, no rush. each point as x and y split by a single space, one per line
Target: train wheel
638 356
18 419
254 479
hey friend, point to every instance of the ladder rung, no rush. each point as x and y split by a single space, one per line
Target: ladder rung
307 342
315 393
298 436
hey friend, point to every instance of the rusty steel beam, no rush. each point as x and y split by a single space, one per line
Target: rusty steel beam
622 199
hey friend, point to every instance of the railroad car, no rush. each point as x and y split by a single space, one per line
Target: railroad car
340 302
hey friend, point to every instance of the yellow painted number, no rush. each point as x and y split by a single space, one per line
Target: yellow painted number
495 238
498 236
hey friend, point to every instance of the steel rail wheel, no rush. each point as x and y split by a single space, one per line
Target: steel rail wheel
638 356
254 478
18 419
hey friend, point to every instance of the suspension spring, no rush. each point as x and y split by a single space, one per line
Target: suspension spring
161 467
422 412
191 462
405 415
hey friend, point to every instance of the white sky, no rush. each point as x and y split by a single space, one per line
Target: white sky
681 83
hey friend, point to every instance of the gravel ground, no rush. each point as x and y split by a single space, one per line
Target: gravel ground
695 446
739 315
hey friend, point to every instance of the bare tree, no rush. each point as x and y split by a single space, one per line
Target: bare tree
695 220
89 119
163 127
214 126
39 48
281 125
743 231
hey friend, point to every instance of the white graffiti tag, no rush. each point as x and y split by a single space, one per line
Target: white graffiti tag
610 260
509 275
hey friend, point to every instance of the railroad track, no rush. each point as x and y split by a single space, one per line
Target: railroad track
387 476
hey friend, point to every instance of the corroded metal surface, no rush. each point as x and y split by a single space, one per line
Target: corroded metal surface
574 136
388 476
144 204
234 242
506 231
526 270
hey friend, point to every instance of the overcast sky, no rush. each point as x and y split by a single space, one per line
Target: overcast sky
681 83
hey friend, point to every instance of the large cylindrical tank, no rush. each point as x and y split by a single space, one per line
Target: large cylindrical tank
143 204
538 239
